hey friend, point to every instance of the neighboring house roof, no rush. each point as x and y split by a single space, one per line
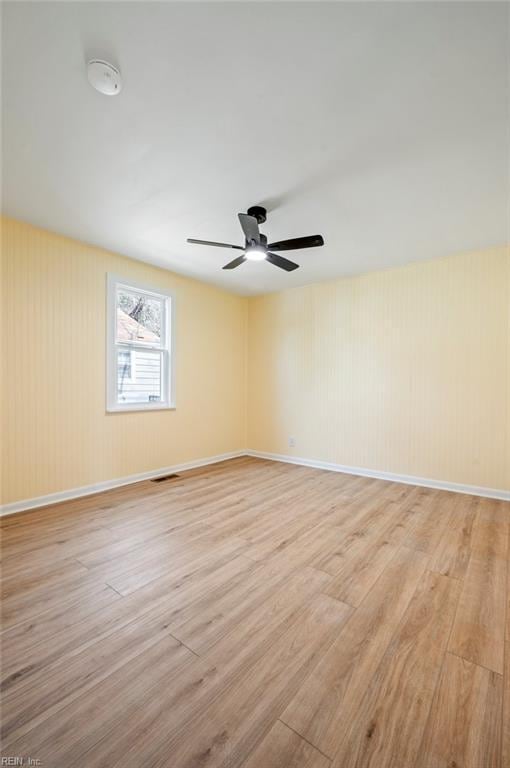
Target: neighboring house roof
129 329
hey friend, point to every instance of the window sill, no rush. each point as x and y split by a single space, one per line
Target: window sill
139 408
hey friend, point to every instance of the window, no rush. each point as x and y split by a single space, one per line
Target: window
139 364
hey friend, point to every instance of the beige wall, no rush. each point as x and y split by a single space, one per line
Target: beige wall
404 371
56 434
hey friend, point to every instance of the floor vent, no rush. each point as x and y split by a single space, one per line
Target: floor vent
163 478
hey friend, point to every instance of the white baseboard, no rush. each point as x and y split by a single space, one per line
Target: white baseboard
88 490
474 490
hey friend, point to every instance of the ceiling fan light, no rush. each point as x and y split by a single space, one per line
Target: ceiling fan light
255 253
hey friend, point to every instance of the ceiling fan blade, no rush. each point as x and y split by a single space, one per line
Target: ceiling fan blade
279 261
236 263
218 245
250 227
312 241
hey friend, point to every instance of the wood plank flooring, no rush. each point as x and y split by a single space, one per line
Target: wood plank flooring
262 615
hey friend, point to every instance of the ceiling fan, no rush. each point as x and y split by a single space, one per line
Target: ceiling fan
256 247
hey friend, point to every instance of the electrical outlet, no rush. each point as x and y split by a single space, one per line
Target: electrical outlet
292 442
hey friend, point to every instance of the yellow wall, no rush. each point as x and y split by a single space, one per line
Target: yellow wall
56 434
404 371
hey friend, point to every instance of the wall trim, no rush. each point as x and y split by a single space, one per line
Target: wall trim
88 490
106 485
473 490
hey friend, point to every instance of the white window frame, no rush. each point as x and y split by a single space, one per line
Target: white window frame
166 347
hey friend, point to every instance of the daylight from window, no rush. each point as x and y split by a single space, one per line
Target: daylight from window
138 370
140 358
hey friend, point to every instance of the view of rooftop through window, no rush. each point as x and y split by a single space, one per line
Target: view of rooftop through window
141 345
143 309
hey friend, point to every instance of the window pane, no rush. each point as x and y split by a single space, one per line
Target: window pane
138 376
124 365
139 317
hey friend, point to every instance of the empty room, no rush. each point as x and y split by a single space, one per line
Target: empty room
255 391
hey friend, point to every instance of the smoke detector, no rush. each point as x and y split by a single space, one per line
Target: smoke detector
104 77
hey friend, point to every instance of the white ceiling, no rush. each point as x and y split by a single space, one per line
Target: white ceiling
383 126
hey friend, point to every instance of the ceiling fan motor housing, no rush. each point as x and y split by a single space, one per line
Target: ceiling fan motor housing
258 213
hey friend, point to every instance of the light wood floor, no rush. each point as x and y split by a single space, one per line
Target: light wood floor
261 615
